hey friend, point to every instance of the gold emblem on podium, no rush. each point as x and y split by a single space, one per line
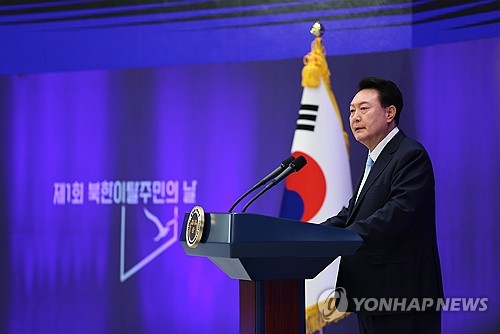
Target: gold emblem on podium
194 228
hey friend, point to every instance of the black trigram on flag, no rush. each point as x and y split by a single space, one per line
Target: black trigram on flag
307 117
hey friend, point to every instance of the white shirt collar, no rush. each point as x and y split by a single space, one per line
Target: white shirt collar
380 146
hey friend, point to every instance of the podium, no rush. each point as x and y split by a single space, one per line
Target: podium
271 257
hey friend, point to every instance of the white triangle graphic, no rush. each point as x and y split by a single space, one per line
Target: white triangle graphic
171 224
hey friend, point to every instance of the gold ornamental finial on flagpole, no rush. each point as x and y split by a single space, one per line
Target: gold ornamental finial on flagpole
315 66
317 29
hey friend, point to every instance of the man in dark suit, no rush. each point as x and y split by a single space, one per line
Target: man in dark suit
393 210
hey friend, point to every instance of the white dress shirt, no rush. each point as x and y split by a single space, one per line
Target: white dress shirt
375 154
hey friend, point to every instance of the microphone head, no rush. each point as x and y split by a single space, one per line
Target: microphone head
298 163
285 163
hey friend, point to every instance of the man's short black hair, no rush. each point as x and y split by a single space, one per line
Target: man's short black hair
388 91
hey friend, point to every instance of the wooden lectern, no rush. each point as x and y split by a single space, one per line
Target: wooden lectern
271 257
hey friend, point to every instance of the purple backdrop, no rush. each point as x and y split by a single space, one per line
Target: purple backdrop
201 123
223 126
459 122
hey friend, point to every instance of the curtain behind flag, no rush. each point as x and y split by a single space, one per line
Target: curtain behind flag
324 185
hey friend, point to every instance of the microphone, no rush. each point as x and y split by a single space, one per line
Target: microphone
284 164
294 166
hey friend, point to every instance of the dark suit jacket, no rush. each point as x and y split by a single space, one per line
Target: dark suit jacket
395 216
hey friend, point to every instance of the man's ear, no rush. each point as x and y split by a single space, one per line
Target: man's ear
391 113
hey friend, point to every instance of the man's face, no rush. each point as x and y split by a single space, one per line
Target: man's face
370 122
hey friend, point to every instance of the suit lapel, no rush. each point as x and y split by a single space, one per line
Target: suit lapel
382 161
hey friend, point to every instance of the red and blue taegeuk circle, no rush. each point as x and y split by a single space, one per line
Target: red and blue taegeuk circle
305 191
